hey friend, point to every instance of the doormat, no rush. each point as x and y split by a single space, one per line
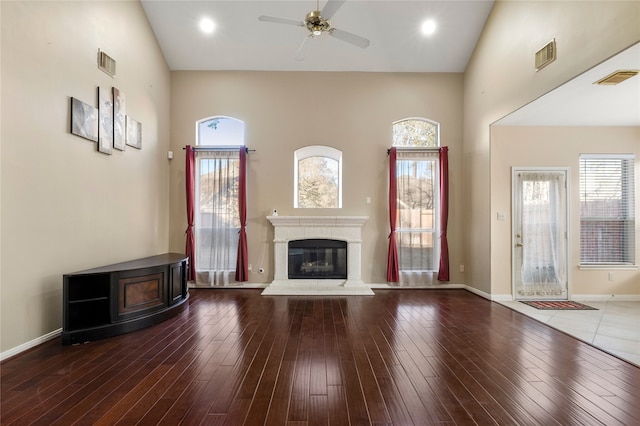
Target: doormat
558 305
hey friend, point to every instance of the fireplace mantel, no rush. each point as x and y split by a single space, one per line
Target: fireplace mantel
343 228
317 221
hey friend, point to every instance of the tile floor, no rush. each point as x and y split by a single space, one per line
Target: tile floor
614 327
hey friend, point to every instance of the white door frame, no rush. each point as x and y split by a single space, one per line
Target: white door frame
514 238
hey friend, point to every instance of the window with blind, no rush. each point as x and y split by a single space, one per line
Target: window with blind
607 209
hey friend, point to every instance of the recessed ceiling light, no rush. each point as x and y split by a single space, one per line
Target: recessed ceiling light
428 27
207 25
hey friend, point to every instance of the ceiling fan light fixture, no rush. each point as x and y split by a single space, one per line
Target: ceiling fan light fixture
317 24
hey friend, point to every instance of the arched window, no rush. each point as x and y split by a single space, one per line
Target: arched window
220 131
317 177
416 133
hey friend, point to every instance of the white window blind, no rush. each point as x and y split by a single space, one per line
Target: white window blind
607 210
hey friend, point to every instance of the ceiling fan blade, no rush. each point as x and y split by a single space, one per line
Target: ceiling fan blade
356 40
280 20
331 8
300 54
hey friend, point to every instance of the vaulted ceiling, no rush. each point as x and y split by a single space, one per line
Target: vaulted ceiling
240 41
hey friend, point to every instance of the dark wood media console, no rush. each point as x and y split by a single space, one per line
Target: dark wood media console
116 299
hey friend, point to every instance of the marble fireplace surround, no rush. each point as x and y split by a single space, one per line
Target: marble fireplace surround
342 228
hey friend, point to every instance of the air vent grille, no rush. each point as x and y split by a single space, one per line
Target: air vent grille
106 63
546 55
617 77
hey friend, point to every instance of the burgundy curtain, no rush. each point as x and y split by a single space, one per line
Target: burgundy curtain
443 271
190 249
393 274
242 264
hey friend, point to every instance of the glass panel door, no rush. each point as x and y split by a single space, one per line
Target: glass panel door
539 250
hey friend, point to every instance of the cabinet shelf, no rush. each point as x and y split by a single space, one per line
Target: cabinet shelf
71 302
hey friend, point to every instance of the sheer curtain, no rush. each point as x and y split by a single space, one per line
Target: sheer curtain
217 218
418 221
543 230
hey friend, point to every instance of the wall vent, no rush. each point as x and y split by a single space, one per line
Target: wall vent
617 77
546 55
106 63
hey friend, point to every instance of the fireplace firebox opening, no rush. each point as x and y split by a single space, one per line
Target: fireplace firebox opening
317 259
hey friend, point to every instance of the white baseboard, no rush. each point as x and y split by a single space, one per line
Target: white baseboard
415 287
478 292
502 297
28 345
606 297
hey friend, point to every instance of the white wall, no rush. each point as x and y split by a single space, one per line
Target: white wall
65 206
501 78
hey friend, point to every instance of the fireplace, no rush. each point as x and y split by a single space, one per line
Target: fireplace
317 259
301 267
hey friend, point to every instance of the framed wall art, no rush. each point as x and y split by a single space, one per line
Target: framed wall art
84 120
134 133
105 128
119 123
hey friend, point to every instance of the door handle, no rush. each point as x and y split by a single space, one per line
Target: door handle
519 245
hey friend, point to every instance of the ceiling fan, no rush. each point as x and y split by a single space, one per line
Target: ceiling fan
317 22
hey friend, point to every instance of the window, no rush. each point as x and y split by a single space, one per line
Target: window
220 131
317 177
416 132
607 210
217 218
417 183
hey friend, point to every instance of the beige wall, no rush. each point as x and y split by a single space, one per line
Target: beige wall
352 112
65 206
501 78
557 147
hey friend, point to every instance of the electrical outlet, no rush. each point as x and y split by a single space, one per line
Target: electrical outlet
461 268
611 276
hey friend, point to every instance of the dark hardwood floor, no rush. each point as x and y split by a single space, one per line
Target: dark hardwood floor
401 357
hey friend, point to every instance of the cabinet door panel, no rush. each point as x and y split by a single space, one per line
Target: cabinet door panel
140 293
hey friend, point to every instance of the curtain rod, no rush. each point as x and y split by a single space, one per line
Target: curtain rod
416 148
218 148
